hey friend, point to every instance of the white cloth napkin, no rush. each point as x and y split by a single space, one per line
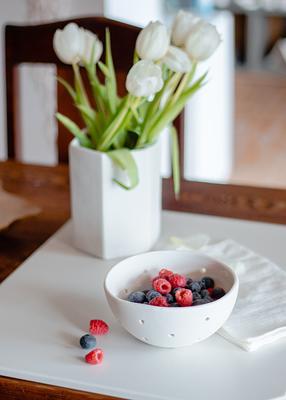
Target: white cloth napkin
259 315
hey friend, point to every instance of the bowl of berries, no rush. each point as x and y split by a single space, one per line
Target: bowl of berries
171 298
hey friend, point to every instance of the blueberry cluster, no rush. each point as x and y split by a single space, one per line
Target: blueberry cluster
174 290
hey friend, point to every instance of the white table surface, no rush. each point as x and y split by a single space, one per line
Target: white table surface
46 305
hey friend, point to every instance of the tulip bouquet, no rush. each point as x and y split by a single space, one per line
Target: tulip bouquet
159 84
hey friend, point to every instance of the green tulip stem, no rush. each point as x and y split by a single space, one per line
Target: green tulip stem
114 127
151 115
80 90
184 84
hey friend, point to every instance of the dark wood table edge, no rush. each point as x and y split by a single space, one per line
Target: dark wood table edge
14 388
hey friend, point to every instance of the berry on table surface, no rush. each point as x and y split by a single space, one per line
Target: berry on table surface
217 293
159 302
151 294
195 286
165 273
162 286
87 341
98 327
184 297
208 282
177 280
137 297
94 357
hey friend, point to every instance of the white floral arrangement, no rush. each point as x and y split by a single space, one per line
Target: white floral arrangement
160 82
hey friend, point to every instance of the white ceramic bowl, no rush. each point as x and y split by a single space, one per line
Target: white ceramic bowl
162 326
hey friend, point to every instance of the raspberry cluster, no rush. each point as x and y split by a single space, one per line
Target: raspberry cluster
88 341
174 290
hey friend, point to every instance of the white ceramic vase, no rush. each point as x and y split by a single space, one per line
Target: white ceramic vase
109 221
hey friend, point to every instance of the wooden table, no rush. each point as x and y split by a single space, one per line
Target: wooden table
48 187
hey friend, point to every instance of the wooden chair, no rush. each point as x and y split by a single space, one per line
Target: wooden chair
33 44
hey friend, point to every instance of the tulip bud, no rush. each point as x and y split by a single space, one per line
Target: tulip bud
67 43
202 41
177 60
144 79
183 23
91 45
153 41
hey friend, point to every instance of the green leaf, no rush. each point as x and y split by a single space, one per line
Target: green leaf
89 112
124 160
90 117
175 161
104 69
118 123
173 110
75 130
68 87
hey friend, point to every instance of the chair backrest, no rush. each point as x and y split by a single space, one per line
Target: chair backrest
34 44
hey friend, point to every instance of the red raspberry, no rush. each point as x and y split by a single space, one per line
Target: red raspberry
162 286
98 327
165 274
210 290
159 301
184 297
94 357
177 280
154 279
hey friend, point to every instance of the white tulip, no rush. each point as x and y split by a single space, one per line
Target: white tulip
67 43
89 42
177 60
153 41
144 79
183 23
202 41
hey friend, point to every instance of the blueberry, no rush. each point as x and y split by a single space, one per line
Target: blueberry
189 282
174 305
217 293
202 283
196 296
199 302
195 286
151 294
174 291
145 291
204 293
137 297
87 341
208 282
170 298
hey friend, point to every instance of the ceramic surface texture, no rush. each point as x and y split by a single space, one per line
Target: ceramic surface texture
169 327
109 221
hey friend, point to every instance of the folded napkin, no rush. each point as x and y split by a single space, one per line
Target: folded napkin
259 315
13 208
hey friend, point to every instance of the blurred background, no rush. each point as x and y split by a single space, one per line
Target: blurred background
235 127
